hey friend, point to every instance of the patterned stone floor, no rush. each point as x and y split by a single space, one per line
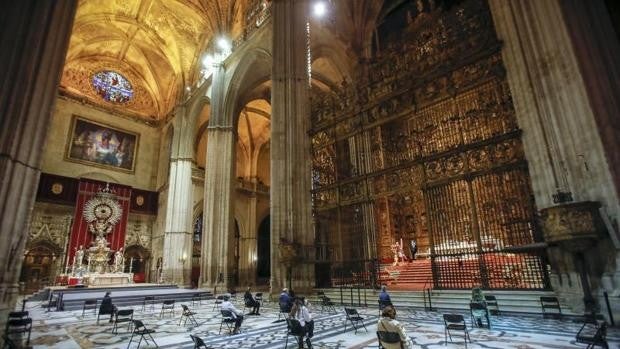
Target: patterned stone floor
69 330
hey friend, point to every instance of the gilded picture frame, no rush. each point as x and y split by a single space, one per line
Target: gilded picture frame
97 144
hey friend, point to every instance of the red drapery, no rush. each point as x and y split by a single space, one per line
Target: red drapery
80 236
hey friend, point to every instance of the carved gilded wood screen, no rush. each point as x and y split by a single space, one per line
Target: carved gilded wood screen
426 148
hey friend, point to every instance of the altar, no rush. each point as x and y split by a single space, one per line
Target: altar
109 279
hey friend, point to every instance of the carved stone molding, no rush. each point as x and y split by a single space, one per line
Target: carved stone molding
575 226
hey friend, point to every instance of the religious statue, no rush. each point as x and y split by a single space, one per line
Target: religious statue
79 257
119 261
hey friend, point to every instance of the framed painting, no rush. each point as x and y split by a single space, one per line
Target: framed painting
96 144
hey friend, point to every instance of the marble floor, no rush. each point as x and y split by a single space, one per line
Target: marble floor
69 330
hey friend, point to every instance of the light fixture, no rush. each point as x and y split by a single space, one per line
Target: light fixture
320 9
224 45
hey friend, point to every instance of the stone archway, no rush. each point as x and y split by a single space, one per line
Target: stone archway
137 261
263 253
41 265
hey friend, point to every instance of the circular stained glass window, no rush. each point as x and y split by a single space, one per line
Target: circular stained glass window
112 86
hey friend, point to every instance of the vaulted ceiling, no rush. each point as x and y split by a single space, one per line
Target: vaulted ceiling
155 44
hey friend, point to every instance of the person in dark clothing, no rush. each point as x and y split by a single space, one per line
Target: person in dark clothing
413 248
251 302
286 302
107 307
384 298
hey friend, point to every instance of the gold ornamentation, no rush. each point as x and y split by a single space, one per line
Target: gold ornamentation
139 200
57 188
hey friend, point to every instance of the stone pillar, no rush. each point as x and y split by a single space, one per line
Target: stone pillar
178 225
291 218
34 36
560 136
218 256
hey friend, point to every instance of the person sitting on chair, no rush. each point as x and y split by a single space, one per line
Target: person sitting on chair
384 298
388 323
300 312
251 302
236 313
478 297
107 307
286 302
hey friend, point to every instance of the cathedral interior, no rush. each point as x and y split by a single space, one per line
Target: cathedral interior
431 146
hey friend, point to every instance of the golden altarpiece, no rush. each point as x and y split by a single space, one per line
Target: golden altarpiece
425 146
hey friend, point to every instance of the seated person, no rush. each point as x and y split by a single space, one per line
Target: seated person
478 297
300 312
286 302
251 302
384 298
107 307
236 313
388 323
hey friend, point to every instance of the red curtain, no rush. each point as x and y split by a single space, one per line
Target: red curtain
80 236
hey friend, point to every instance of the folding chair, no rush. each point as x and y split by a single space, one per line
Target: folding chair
198 342
354 317
387 337
233 295
18 326
218 301
89 304
476 312
121 316
196 298
492 302
148 300
259 298
18 315
284 310
167 307
140 330
187 314
593 333
106 312
294 328
327 303
229 319
550 303
455 322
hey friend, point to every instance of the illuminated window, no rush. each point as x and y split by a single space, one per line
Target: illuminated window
112 86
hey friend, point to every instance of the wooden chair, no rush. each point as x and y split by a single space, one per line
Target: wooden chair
294 328
550 303
198 342
387 337
121 316
140 330
455 322
354 317
187 314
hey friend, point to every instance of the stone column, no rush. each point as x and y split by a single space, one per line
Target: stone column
178 226
561 141
291 218
218 256
34 36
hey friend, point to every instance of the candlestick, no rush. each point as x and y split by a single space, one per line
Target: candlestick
130 264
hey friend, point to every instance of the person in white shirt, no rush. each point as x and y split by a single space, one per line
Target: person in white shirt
237 314
388 323
300 312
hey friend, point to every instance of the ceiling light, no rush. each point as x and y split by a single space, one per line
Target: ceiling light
224 44
320 9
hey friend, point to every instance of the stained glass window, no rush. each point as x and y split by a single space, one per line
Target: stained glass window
112 86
